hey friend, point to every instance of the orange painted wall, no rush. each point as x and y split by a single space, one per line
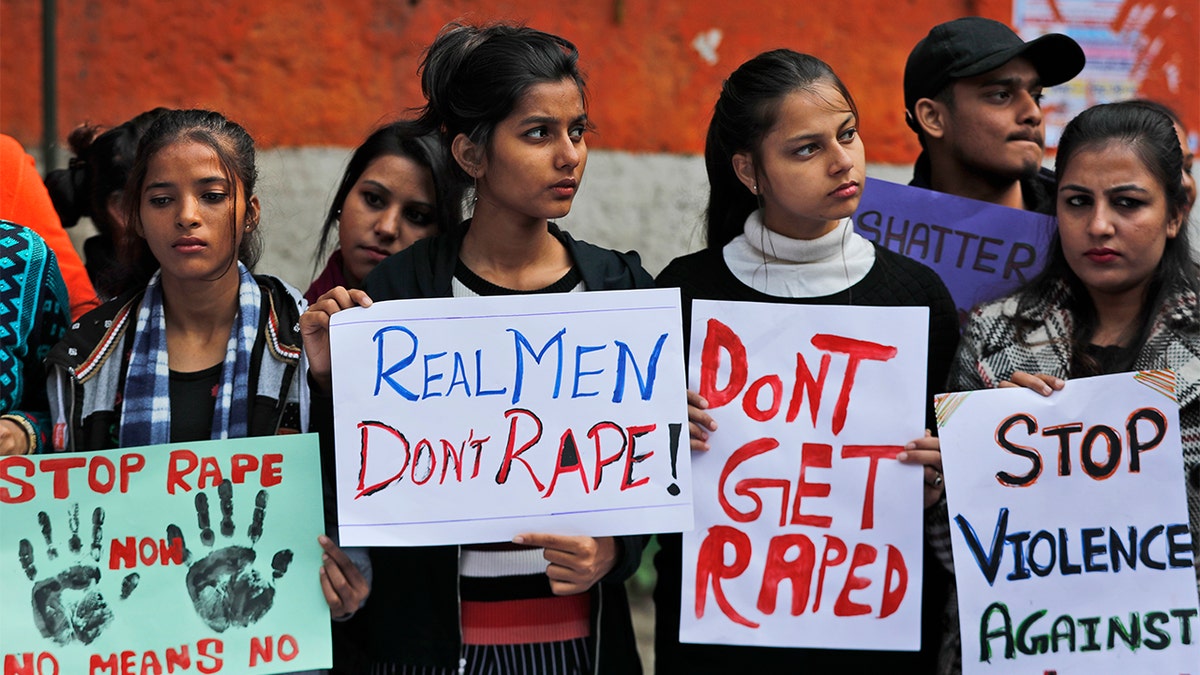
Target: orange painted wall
307 72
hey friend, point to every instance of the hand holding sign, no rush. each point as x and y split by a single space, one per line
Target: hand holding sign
225 590
68 606
314 328
576 563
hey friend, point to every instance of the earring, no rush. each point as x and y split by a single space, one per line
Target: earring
755 188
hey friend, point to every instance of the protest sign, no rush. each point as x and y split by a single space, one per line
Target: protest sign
183 558
467 420
1070 528
808 531
980 250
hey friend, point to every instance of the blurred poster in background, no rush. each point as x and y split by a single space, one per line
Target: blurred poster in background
1134 48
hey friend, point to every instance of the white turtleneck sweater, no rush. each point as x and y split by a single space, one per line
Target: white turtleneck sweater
781 266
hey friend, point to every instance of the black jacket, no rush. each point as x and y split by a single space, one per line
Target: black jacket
893 281
412 614
102 340
1037 190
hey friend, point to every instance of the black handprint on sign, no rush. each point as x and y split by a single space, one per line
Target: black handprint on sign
225 588
68 606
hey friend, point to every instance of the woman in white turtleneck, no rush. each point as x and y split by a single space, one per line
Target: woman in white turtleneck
786 171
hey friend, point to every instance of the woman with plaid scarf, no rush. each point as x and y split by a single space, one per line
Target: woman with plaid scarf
201 348
1120 289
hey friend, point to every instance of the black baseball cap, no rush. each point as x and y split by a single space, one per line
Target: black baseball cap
974 45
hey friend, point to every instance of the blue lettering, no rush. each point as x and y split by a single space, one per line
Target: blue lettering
459 376
580 350
382 375
479 390
431 378
989 563
518 341
645 386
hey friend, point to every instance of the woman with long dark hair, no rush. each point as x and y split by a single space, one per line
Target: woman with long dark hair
1120 289
786 169
397 188
509 104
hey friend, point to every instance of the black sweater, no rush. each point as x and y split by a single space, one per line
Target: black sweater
892 281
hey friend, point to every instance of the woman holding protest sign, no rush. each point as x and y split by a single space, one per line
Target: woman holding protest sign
509 103
397 188
201 348
786 170
1119 291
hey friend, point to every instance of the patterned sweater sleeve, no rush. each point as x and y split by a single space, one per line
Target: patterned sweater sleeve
39 322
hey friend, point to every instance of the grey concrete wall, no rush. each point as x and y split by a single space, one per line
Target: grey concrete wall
650 203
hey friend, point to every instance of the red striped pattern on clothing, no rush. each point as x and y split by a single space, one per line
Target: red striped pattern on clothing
553 619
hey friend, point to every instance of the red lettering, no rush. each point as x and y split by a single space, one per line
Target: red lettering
266 649
568 462
750 401
148 550
171 551
721 337
60 466
125 554
364 429
241 464
858 351
875 453
633 458
210 473
287 647
477 443
601 462
261 649
819 456
110 474
98 663
710 565
180 464
746 486
178 659
864 554
510 454
211 649
838 549
7 466
130 464
452 455
426 445
812 388
31 664
150 664
272 471
893 595
779 568
122 553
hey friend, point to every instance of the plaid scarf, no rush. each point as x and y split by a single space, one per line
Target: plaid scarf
146 415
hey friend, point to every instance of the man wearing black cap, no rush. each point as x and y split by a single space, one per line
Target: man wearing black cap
972 93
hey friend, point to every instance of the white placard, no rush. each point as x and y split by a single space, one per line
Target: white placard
808 532
462 420
1070 528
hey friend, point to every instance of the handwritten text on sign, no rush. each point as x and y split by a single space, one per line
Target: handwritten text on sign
475 419
808 532
980 250
1069 527
196 558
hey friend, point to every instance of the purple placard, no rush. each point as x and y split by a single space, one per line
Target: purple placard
981 251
